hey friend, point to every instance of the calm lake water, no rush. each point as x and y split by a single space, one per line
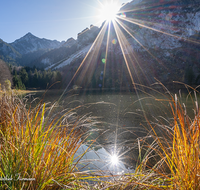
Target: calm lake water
122 122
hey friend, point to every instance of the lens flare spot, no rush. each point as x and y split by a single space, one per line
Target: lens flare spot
114 159
123 15
114 41
104 61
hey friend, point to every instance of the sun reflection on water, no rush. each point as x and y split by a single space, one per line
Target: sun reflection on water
114 159
121 30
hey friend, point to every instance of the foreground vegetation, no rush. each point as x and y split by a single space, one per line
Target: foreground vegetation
38 147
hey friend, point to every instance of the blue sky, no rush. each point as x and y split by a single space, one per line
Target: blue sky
50 19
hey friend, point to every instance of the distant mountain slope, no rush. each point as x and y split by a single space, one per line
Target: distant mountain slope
70 58
24 50
30 43
8 53
54 56
70 50
160 38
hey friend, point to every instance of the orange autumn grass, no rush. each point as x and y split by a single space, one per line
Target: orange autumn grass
178 149
37 147
184 155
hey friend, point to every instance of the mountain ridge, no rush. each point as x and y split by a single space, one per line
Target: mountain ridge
163 34
30 43
13 53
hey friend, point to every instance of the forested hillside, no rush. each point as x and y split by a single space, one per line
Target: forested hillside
33 78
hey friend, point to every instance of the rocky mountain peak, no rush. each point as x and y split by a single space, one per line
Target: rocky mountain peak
30 43
70 42
164 34
29 35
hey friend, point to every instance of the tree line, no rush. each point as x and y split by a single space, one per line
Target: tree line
33 78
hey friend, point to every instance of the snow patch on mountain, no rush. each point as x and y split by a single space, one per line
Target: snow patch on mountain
46 61
82 53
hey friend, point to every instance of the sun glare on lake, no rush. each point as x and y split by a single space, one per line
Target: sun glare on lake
114 159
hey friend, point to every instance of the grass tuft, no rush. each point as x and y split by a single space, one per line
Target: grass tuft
37 148
177 151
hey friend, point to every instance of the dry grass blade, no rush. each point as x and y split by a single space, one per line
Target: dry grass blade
37 152
178 149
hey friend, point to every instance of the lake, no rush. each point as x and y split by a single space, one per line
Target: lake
122 120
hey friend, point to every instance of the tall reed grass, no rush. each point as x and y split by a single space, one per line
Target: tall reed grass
37 150
180 149
177 151
37 147
169 157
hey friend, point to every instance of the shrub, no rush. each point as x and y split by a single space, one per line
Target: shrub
7 85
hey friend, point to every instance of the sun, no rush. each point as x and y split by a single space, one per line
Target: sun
109 10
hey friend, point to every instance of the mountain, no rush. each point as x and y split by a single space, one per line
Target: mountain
31 50
24 50
160 39
72 49
7 52
151 39
30 43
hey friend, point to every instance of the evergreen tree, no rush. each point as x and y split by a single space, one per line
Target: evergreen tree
24 76
35 79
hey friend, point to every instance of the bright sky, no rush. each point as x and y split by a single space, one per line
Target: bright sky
50 19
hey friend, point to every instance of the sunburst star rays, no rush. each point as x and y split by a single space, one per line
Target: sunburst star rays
131 60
